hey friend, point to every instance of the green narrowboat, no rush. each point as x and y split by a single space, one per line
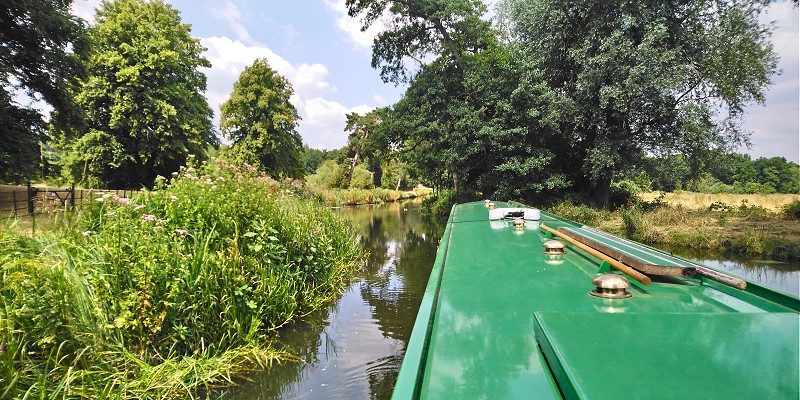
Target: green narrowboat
523 304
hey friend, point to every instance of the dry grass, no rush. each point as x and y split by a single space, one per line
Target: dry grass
701 201
751 230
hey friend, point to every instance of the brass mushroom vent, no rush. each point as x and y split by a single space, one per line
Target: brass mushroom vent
553 247
610 286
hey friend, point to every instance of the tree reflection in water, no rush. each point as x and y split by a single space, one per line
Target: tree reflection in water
355 348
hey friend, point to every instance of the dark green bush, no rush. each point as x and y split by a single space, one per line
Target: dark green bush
792 210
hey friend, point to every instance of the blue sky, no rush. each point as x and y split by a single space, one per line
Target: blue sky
321 50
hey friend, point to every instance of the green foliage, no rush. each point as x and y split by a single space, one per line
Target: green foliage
365 142
792 210
635 78
331 175
313 158
580 212
440 205
450 29
151 289
624 193
142 99
728 173
352 197
35 37
261 122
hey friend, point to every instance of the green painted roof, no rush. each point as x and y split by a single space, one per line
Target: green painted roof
491 290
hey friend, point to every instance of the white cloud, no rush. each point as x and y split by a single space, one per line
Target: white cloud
85 8
323 120
352 26
775 126
229 13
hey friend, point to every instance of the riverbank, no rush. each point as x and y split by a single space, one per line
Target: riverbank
751 225
355 197
167 293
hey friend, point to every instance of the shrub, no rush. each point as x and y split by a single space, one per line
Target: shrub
624 193
792 210
439 206
580 212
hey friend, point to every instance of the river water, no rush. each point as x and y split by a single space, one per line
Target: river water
354 349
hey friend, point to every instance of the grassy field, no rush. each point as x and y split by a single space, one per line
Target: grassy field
752 225
700 201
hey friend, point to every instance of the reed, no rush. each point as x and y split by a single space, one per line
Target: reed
352 197
169 292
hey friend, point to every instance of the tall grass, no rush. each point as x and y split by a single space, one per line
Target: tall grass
351 197
700 201
169 292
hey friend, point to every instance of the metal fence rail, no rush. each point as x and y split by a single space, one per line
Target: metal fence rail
27 200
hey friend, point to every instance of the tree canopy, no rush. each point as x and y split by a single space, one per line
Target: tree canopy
35 38
142 98
644 76
261 122
566 95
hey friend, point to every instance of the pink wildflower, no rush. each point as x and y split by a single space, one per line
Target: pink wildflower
139 207
149 217
86 233
123 200
111 214
181 232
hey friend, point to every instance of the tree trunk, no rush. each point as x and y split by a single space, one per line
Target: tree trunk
350 174
602 192
399 179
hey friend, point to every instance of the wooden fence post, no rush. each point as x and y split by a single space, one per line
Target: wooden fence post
31 193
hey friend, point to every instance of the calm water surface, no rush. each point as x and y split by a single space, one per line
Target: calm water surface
354 349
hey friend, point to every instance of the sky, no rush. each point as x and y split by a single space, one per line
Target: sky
323 53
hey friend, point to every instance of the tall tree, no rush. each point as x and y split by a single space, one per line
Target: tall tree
261 122
419 29
144 109
35 37
363 139
644 76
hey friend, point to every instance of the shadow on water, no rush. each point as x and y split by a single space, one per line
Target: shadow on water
354 349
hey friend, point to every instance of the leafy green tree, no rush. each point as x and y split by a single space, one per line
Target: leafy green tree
451 29
364 141
458 125
313 158
778 174
143 103
261 122
35 38
639 77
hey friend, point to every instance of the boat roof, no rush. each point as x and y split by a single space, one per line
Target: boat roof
501 319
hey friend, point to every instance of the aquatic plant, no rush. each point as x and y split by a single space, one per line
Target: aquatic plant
168 291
